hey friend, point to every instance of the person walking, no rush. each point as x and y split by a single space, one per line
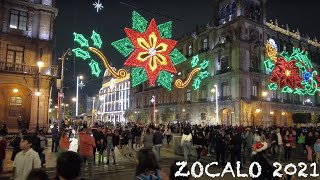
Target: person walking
147 139
157 141
124 142
288 140
186 143
168 134
3 147
26 160
16 145
64 142
138 137
199 143
235 143
87 143
309 145
99 139
317 150
110 141
55 138
278 143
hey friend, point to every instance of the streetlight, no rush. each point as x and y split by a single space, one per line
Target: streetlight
153 100
15 90
94 98
215 90
74 99
38 93
264 93
81 84
258 110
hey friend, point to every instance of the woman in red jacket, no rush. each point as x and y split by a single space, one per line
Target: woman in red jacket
288 142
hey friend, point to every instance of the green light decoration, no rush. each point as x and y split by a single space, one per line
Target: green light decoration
97 42
273 86
79 38
123 46
95 70
177 57
196 83
291 73
194 61
165 80
286 89
204 74
138 76
204 64
81 53
139 23
165 29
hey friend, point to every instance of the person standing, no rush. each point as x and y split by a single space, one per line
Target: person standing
309 144
110 146
64 142
235 143
55 138
157 141
147 139
26 160
87 143
277 140
124 141
168 134
98 136
3 147
199 143
317 150
186 143
138 137
16 145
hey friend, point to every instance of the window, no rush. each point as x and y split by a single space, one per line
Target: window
205 44
190 50
15 101
255 63
188 95
225 63
255 88
225 87
203 92
15 113
15 54
18 19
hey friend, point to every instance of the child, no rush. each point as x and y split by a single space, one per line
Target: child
317 150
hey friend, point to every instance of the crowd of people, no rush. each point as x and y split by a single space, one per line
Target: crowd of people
97 145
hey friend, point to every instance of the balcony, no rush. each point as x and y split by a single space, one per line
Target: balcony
27 69
222 71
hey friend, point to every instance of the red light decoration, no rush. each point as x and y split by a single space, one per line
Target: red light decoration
151 51
286 73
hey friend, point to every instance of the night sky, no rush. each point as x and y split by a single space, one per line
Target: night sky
81 17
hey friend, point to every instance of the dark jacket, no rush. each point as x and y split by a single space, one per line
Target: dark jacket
267 167
198 140
236 142
157 138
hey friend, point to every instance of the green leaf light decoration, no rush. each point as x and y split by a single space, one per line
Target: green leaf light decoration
123 46
165 30
96 39
194 61
81 40
165 79
138 75
81 53
95 68
139 23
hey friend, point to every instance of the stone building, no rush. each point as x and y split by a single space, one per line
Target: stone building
26 38
234 43
114 99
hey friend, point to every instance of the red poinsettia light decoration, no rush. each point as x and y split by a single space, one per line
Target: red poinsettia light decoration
151 51
286 74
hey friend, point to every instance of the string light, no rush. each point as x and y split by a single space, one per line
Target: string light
179 84
165 80
81 53
291 73
138 76
139 23
79 38
177 57
123 46
96 39
194 61
95 70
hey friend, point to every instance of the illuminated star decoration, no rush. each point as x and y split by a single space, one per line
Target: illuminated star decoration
83 51
81 85
151 51
291 73
98 6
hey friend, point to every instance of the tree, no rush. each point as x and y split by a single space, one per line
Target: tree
142 116
315 118
129 115
167 115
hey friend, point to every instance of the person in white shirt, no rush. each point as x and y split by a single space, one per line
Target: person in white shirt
26 160
186 143
168 134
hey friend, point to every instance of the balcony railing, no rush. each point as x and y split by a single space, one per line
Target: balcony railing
27 69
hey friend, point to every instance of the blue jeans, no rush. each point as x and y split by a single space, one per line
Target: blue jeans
157 148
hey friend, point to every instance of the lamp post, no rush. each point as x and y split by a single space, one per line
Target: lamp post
153 100
94 98
38 93
77 96
215 90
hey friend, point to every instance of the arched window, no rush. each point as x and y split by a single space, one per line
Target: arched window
203 92
205 44
189 95
190 50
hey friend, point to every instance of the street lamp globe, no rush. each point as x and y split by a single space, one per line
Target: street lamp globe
264 93
40 64
38 93
80 77
15 90
258 110
74 99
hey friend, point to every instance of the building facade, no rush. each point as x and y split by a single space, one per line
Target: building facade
114 99
234 44
26 37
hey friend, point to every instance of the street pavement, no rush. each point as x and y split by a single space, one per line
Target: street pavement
125 167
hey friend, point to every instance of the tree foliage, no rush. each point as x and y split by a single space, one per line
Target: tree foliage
167 115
